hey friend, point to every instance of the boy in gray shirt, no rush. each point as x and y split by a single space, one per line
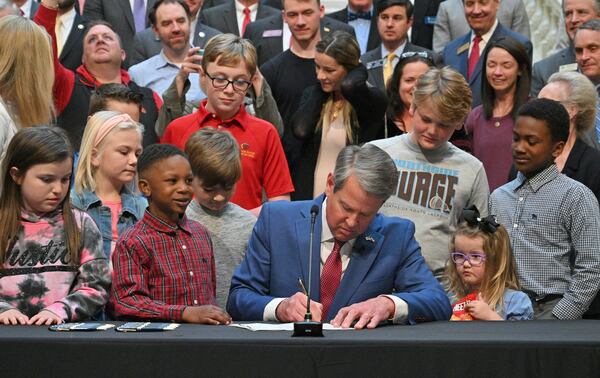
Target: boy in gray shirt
215 159
437 180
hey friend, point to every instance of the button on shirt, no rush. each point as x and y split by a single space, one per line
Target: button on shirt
157 73
160 268
554 227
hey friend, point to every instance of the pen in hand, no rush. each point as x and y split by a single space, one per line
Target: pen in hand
302 287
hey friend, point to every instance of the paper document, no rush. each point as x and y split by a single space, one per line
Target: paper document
281 327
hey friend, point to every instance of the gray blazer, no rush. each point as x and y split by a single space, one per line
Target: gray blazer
267 34
118 13
147 44
451 23
543 69
372 60
223 17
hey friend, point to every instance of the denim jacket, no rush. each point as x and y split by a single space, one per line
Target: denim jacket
133 209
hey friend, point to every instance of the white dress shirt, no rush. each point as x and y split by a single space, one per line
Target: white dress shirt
239 12
484 39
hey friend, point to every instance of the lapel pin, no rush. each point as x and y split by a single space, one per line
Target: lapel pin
370 239
80 26
326 29
202 34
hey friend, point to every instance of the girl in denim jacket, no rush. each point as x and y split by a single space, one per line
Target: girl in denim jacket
106 176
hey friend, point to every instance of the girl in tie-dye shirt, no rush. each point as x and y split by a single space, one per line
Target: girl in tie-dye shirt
52 268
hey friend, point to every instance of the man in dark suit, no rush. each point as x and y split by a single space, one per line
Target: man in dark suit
147 43
394 18
267 35
359 15
119 14
69 37
577 12
464 53
423 22
366 268
233 16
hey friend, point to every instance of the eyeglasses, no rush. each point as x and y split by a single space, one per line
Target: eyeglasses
222 83
475 259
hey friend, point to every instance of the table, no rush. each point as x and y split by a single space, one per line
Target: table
438 349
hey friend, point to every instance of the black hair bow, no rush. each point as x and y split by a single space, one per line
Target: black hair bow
471 216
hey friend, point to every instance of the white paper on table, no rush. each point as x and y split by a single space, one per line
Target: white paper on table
280 327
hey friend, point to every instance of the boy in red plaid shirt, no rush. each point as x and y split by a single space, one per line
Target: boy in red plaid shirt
164 268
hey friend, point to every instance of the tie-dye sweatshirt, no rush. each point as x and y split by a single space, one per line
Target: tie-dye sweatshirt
37 273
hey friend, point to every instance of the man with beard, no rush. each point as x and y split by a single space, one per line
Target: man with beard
171 23
147 43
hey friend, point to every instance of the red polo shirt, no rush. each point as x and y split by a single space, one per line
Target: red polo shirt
263 162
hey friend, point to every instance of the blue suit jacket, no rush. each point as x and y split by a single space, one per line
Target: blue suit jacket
456 55
386 259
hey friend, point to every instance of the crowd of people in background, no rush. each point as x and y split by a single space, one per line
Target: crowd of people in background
167 160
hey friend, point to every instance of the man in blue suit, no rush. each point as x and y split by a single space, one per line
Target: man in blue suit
481 17
366 268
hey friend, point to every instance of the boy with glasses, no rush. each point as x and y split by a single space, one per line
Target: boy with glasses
228 66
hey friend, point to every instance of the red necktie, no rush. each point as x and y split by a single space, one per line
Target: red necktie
246 20
474 57
331 277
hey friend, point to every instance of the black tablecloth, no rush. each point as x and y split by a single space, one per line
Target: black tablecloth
465 349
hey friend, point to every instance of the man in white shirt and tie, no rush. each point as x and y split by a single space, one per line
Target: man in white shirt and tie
394 19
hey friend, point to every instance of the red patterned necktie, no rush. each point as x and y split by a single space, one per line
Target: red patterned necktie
246 20
474 57
331 277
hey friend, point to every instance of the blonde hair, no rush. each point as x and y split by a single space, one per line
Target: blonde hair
26 71
581 93
85 174
500 267
228 50
448 91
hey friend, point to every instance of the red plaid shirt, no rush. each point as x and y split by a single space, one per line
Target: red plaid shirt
160 268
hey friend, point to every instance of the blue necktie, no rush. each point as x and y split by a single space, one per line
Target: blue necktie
139 15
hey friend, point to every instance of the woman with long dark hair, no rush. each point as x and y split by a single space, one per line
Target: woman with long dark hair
506 84
339 111
411 66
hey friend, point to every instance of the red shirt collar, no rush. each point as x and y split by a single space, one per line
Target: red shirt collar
162 225
239 119
90 80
